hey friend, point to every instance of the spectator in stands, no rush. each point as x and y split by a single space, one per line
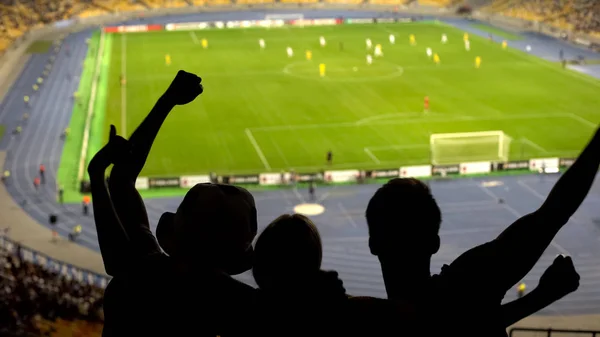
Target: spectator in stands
29 292
404 221
189 291
287 269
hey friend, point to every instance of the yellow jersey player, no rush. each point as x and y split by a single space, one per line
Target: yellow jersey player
504 44
412 39
168 59
466 37
204 43
436 58
308 55
322 69
378 50
477 62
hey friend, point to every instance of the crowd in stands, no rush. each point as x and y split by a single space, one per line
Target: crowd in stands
37 301
578 15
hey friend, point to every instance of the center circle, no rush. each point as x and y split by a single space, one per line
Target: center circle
344 70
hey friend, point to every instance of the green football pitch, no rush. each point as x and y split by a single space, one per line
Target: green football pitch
264 111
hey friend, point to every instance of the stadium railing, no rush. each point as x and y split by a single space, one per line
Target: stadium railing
548 332
43 260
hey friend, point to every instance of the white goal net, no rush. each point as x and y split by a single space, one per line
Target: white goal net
455 148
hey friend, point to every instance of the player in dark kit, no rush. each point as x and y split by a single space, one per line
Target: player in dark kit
311 190
329 157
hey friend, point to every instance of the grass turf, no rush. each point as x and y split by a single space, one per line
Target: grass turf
497 31
264 102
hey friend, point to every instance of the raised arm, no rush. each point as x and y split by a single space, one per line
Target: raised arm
127 201
519 247
559 280
112 238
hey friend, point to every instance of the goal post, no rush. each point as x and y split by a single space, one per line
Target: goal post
455 148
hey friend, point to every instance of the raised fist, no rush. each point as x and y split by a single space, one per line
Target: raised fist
184 88
560 279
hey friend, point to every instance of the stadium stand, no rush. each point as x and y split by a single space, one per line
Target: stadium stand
350 2
435 3
299 1
38 301
166 3
388 2
578 15
120 6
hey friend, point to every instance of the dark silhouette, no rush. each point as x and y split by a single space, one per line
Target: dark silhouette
312 191
43 173
189 291
329 157
404 222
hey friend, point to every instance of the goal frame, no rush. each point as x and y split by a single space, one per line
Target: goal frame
502 137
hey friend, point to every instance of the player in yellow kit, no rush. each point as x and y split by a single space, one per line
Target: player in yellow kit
322 69
477 62
504 44
168 59
436 58
204 43
412 39
308 55
466 37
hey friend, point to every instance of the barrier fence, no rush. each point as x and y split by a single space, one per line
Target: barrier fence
548 332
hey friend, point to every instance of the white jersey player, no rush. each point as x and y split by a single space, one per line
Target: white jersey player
392 39
290 51
322 41
378 51
444 38
369 43
261 43
429 52
467 45
369 59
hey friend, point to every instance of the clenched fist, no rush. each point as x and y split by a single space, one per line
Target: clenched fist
184 88
560 279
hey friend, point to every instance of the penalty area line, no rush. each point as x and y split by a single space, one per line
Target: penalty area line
194 37
258 150
370 154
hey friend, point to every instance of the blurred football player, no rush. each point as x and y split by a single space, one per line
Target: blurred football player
168 59
322 41
392 39
426 104
378 50
412 39
261 43
369 59
436 59
444 38
290 51
322 69
204 43
369 43
477 62
467 45
429 52
504 44
308 55
466 36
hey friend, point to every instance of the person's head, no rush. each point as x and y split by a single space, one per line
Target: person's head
214 226
288 250
403 220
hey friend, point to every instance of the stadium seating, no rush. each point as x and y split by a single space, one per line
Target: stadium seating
436 3
166 3
349 2
119 5
387 2
57 306
252 2
299 1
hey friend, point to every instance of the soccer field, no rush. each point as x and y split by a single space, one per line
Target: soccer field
264 111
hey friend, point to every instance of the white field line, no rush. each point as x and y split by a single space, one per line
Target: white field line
347 215
194 37
370 154
123 130
412 121
258 150
90 111
533 144
583 120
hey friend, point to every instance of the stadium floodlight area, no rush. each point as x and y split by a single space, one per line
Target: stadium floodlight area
455 148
